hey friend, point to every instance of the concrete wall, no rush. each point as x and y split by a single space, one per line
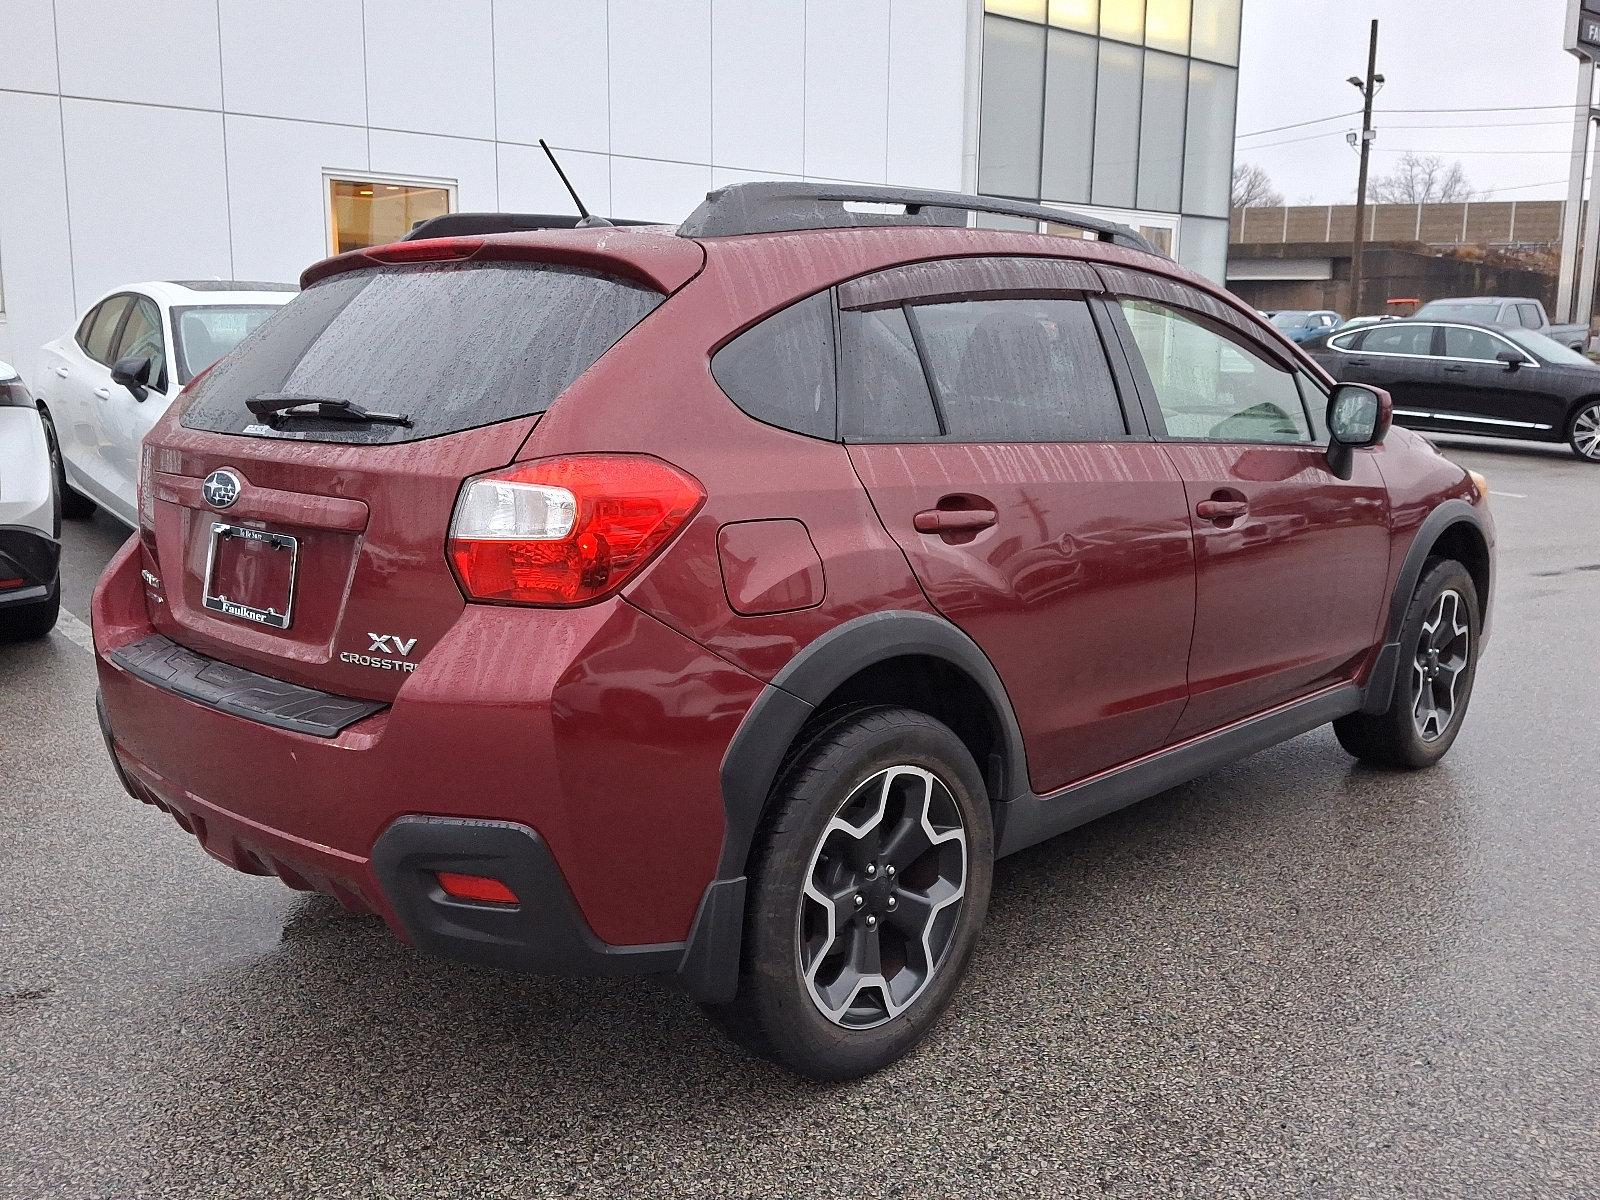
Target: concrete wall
189 138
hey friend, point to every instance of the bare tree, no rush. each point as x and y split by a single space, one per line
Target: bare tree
1419 179
1252 188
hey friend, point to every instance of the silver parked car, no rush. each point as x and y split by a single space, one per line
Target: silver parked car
30 517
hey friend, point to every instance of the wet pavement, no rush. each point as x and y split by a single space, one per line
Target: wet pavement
1295 977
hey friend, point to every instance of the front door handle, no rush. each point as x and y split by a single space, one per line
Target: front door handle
63 372
1221 510
954 520
1455 370
103 392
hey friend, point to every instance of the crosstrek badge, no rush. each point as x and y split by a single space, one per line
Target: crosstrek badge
382 645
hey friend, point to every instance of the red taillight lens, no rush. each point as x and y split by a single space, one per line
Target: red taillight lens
475 887
565 531
147 490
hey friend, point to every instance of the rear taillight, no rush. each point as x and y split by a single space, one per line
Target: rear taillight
565 531
147 490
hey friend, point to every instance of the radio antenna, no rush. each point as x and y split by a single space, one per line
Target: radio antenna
587 220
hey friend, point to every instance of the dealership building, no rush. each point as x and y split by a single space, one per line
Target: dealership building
240 139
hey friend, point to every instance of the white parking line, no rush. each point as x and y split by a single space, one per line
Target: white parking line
75 631
1509 495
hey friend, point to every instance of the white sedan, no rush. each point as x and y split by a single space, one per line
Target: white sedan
30 521
101 387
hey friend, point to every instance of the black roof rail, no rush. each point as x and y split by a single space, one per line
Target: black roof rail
466 224
779 207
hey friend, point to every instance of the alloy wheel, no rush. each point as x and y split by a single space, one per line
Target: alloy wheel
1443 651
882 897
1586 432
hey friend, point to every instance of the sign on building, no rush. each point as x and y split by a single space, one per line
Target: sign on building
1584 28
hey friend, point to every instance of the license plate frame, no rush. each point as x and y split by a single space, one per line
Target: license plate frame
221 532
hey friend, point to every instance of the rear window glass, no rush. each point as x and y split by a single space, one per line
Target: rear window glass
451 346
781 371
881 380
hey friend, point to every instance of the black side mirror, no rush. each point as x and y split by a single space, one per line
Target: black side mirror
1512 359
133 373
1358 416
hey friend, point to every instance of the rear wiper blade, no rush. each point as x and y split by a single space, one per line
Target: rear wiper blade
274 406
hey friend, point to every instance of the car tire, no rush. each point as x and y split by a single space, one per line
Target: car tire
909 902
1583 431
1438 663
75 506
25 622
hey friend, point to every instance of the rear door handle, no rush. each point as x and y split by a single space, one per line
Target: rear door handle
954 520
103 392
1221 510
1455 370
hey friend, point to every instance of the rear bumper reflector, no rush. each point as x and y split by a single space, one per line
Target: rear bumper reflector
163 663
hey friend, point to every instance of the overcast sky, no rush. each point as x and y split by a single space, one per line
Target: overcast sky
1297 54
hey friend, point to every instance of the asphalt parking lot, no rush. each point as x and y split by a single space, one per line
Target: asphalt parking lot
1295 977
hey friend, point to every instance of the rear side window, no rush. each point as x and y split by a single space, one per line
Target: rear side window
451 346
1019 371
781 371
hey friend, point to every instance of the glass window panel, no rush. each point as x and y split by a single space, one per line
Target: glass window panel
1122 19
1208 154
1026 10
142 338
1215 30
1166 79
1166 25
1203 247
1116 125
204 333
781 371
1395 337
372 212
1019 371
106 318
1209 386
1012 112
1082 15
1471 343
1068 105
882 385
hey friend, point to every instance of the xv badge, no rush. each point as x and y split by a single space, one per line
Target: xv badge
390 643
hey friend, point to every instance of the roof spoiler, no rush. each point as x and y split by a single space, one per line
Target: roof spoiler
477 224
779 207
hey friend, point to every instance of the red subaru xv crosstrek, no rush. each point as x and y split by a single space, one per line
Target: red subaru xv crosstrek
721 601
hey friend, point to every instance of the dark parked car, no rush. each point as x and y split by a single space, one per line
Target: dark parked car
719 602
1454 377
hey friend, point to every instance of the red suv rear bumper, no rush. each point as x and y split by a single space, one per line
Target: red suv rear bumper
573 754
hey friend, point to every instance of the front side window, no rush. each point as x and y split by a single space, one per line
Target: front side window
142 338
1209 386
1530 316
103 328
1019 371
1460 342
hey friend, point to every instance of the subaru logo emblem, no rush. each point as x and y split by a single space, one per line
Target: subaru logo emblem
221 488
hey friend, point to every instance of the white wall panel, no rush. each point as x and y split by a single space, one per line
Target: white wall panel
470 164
528 182
275 191
155 53
294 58
646 190
551 72
35 253
758 84
927 91
168 219
430 69
847 99
30 46
661 79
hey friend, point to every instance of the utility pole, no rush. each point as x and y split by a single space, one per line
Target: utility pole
1369 89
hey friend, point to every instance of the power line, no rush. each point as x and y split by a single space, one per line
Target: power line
1512 108
1299 124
